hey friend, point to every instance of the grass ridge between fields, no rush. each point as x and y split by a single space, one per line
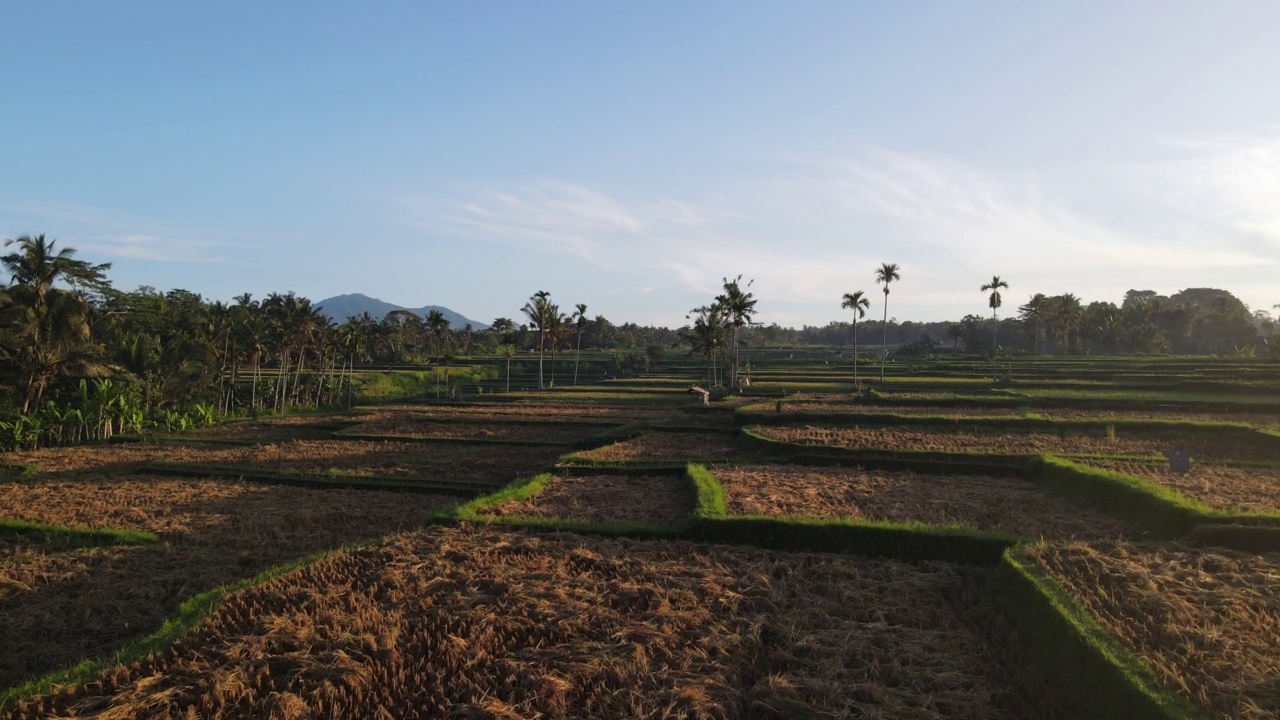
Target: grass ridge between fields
1092 673
710 522
74 536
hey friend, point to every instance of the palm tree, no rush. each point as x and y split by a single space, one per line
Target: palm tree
858 302
994 302
507 351
738 308
437 325
538 310
580 318
44 331
1034 310
54 340
707 335
555 329
35 267
885 274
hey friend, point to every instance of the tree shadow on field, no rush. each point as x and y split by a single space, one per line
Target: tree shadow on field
89 603
372 459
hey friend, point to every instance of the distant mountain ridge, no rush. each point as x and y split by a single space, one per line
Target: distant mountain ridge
344 306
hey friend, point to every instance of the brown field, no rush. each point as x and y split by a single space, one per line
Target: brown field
959 413
480 429
548 412
1206 622
276 429
317 457
58 606
905 438
672 446
654 500
559 625
1221 486
986 503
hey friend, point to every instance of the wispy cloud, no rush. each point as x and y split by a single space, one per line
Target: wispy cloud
818 225
1229 186
147 247
554 216
103 233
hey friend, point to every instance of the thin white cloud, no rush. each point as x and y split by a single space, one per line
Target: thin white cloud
1229 185
818 227
149 247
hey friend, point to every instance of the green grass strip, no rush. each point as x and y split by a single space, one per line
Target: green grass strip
521 489
711 501
71 536
1092 673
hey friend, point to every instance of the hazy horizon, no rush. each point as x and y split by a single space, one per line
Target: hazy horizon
630 157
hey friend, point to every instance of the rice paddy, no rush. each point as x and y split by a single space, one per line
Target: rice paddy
1247 488
508 617
639 499
1021 443
665 446
1002 505
560 625
1205 621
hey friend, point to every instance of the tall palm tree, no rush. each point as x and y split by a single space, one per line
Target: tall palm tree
885 274
44 331
507 351
580 318
995 286
37 264
1034 310
538 310
738 307
437 325
858 302
707 336
557 326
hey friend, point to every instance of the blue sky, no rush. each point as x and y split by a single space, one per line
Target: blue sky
630 155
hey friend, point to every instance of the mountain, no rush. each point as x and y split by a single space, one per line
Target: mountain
344 306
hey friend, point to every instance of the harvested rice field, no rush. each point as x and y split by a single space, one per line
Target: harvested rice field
1206 622
58 606
651 500
523 432
276 429
960 413
1221 486
558 625
339 458
1002 505
665 446
548 412
957 441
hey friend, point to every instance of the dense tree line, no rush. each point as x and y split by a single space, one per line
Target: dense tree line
1195 321
81 359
